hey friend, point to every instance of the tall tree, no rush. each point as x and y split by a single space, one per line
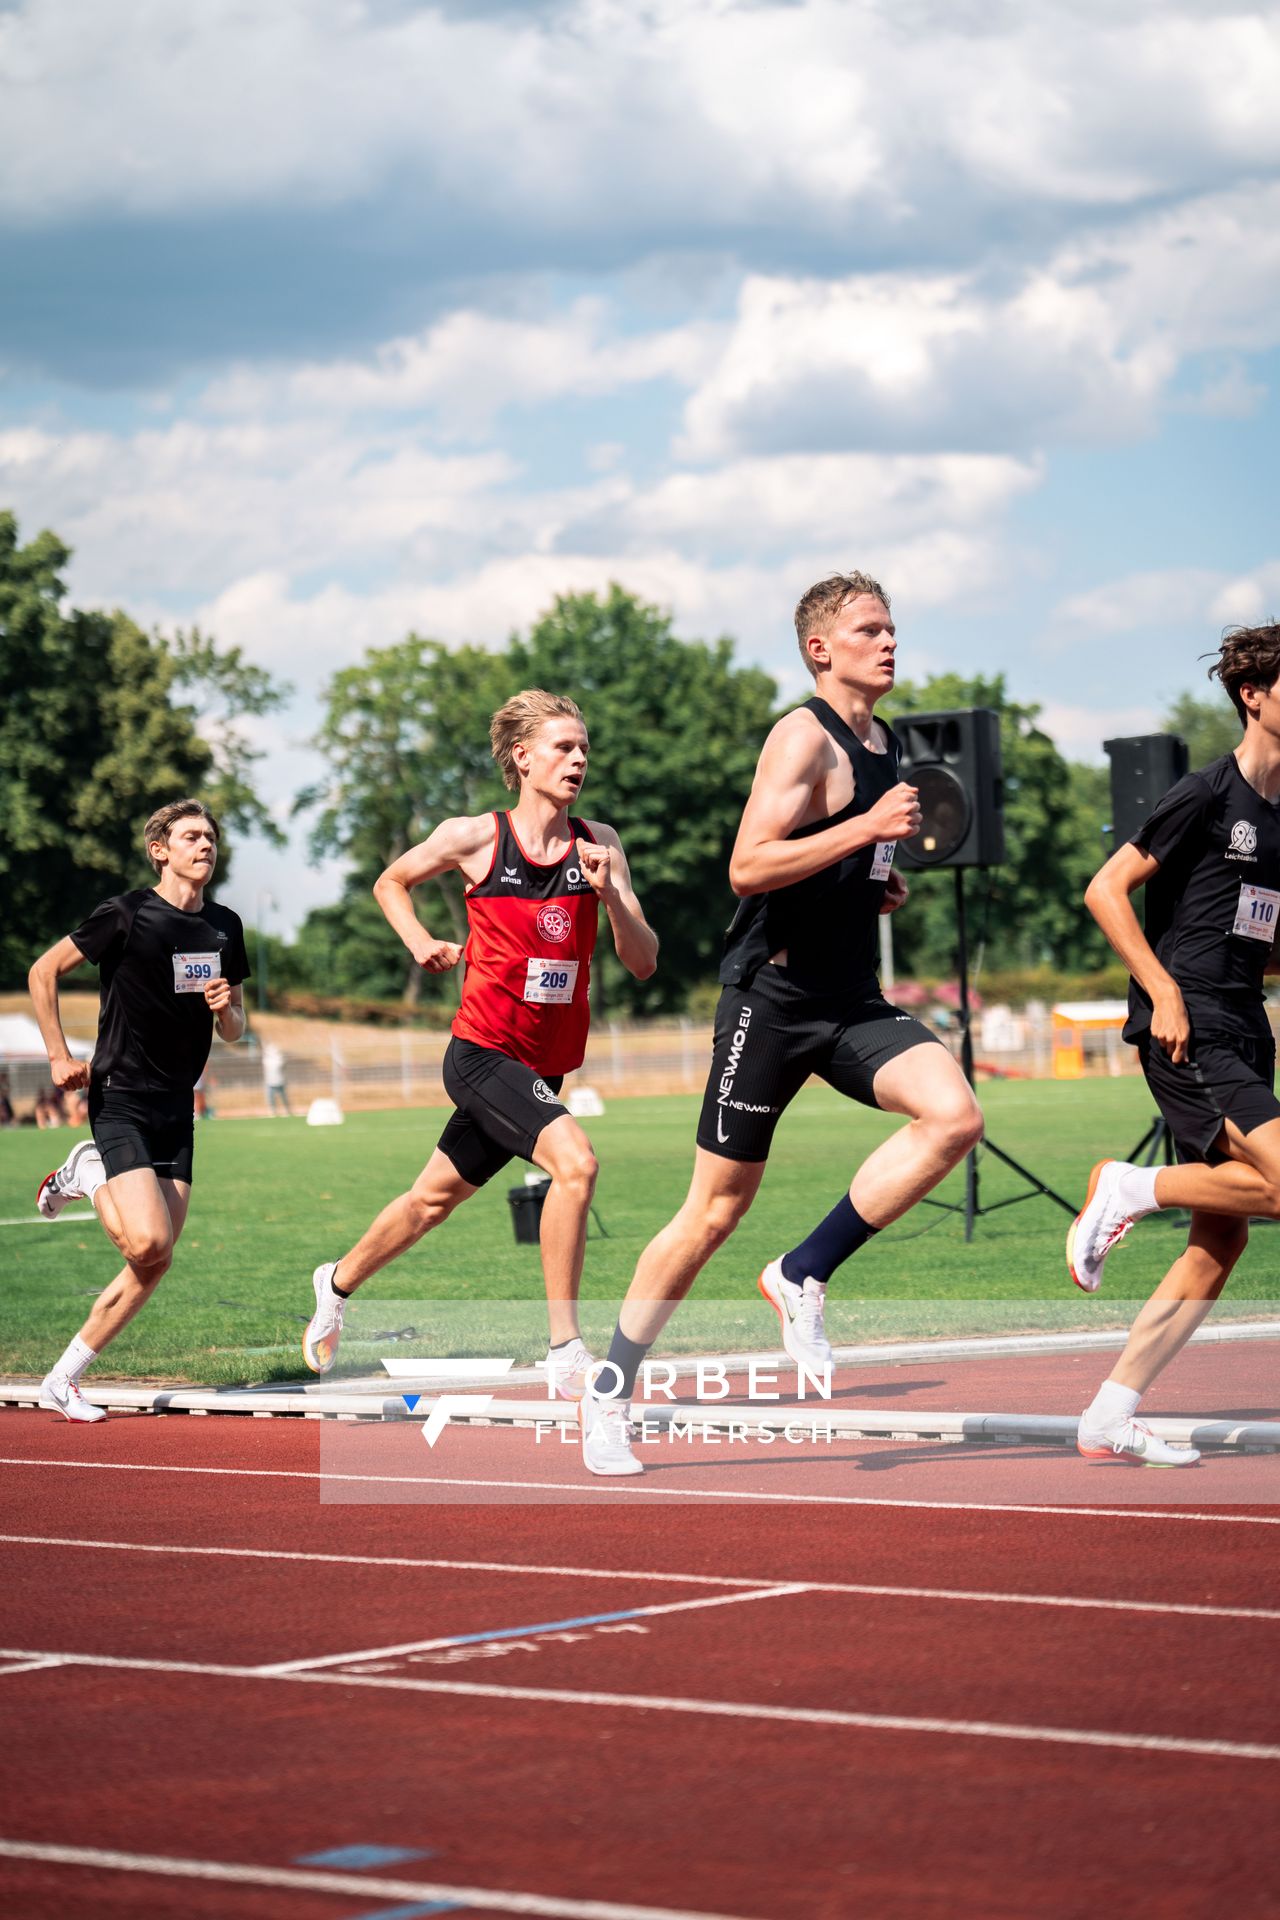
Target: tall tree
93 736
675 731
1210 726
404 743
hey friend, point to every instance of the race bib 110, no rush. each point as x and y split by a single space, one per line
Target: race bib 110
1256 913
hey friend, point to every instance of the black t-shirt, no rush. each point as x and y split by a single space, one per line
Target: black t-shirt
1218 844
155 1027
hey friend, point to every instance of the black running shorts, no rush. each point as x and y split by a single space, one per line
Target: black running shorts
132 1130
1224 1079
502 1108
770 1036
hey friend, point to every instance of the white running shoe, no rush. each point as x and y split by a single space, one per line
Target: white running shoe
606 1436
61 1186
1100 1225
1131 1443
800 1309
57 1391
324 1329
566 1370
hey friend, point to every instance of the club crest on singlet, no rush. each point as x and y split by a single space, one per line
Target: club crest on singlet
554 923
1244 839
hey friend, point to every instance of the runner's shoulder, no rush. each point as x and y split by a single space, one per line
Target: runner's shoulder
798 741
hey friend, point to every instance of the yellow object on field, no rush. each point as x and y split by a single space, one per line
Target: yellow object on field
1072 1019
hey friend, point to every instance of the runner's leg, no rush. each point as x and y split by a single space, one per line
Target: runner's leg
438 1189
563 1150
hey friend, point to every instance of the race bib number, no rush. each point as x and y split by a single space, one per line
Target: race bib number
882 860
550 983
1256 913
192 972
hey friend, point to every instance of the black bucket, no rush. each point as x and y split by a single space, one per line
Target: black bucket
526 1211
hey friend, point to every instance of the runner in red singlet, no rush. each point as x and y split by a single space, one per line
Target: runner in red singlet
536 878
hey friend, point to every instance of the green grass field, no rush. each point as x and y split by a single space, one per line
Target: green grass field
273 1198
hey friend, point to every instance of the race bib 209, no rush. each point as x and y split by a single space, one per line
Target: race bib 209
550 983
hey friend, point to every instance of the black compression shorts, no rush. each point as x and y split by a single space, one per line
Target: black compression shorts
133 1130
1224 1079
502 1108
770 1036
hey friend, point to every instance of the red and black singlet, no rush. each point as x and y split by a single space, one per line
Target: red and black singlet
528 955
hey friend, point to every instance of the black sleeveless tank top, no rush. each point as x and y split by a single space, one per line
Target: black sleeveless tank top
829 923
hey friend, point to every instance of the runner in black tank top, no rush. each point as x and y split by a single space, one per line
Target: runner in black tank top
813 865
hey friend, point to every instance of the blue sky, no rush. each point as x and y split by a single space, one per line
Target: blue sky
335 318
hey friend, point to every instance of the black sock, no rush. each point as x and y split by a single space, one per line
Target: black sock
828 1246
558 1346
343 1293
627 1356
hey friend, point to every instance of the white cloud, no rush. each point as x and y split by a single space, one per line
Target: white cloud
1084 345
616 118
1171 599
470 366
1079 731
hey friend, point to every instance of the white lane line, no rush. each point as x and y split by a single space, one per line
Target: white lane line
342 1885
25 1220
505 1633
30 1666
1067 1510
860 1588
663 1703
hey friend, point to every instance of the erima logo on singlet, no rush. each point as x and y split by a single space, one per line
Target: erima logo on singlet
511 877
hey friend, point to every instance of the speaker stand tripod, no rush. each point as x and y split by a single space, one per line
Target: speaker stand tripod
972 1206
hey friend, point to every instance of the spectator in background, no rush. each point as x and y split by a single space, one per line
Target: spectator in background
48 1109
6 1105
273 1078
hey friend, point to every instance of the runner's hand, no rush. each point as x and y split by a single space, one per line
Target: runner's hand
1170 1025
596 863
217 994
439 956
896 816
67 1074
895 893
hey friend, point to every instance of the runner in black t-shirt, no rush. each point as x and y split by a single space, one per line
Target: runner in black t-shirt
813 866
171 965
1209 857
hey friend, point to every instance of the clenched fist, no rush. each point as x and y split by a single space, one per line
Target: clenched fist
896 815
439 956
596 863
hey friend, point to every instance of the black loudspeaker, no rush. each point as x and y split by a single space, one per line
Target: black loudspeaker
953 759
1142 771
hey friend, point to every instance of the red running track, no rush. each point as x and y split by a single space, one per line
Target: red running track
1049 1711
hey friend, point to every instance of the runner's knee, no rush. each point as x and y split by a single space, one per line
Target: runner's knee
149 1253
576 1172
715 1219
957 1127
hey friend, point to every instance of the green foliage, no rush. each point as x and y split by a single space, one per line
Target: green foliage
93 737
675 732
1209 727
404 744
1029 911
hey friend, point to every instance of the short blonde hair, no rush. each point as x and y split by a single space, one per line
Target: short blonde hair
157 827
519 719
817 608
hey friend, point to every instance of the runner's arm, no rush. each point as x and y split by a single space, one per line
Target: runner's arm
604 864
227 1003
42 980
791 765
453 845
1109 899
